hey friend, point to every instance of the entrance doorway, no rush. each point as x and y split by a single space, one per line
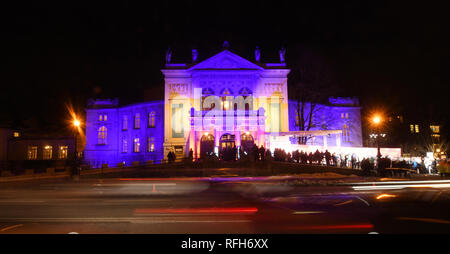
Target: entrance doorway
247 142
227 147
206 145
227 141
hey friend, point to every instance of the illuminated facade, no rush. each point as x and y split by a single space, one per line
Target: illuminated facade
223 101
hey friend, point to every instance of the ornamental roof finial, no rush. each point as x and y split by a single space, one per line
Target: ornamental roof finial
226 45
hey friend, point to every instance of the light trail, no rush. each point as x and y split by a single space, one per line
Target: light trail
399 187
384 195
331 227
207 210
397 182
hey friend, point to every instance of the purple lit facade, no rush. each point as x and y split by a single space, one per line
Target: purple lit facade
123 135
223 101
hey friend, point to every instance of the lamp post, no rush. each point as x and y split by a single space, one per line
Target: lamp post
376 120
75 171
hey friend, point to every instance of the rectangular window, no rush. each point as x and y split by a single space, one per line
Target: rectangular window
411 126
48 152
137 121
346 133
32 152
417 128
151 119
125 123
102 118
346 115
150 144
136 145
63 152
124 145
342 115
177 121
434 128
102 135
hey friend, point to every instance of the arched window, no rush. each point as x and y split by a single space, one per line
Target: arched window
102 134
151 119
207 92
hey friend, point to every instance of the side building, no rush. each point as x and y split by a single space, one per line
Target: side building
341 113
123 135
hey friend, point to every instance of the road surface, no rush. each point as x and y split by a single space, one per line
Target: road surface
222 205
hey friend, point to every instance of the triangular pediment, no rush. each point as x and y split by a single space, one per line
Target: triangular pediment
225 60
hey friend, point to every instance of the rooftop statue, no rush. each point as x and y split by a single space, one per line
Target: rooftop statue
194 55
226 45
257 54
168 55
282 54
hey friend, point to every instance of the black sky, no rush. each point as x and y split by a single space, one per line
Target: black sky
392 55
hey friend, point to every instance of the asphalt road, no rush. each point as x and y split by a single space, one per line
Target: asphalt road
222 205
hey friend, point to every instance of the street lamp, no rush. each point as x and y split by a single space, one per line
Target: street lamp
376 120
76 124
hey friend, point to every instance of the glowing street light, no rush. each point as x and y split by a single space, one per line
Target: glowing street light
376 120
76 123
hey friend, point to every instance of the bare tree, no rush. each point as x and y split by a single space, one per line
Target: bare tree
312 85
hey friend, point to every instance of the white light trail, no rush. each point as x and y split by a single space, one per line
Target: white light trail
398 187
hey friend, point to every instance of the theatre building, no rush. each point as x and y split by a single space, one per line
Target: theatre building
223 101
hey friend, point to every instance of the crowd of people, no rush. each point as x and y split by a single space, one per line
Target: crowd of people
318 158
261 154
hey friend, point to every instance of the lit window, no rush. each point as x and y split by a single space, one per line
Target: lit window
16 134
342 115
102 134
137 120
125 123
434 128
32 152
411 126
150 144
417 128
48 151
346 115
124 145
226 105
346 133
102 118
63 151
151 119
136 145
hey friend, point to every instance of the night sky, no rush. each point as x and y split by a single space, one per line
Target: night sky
393 55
